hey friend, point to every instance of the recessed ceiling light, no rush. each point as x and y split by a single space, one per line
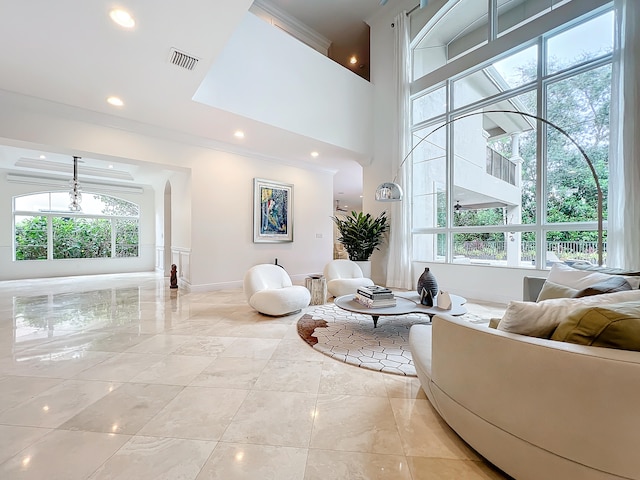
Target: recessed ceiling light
239 134
314 154
122 18
42 157
115 101
353 60
110 166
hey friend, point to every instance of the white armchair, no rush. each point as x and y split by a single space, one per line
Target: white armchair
269 290
344 277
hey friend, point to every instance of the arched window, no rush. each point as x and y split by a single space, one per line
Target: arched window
45 229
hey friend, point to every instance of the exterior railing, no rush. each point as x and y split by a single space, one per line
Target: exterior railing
500 166
568 252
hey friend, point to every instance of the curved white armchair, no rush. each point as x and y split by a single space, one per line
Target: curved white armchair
269 290
344 277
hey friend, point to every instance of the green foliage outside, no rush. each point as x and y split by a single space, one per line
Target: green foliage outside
126 237
31 238
81 238
579 105
77 236
116 207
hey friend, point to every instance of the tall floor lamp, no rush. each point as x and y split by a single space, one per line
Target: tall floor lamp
392 192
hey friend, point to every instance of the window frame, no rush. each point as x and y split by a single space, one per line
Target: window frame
49 215
535 32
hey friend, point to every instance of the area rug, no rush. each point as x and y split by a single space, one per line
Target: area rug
351 338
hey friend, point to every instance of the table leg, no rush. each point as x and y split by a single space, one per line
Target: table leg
375 320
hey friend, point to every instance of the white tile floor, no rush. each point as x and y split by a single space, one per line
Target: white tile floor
120 377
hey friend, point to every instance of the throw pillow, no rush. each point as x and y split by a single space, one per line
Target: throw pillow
565 275
632 276
612 284
634 281
555 290
611 326
540 319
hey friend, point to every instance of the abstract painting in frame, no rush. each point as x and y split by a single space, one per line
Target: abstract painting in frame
272 211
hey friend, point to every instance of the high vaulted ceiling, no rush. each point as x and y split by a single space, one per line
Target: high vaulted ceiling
71 54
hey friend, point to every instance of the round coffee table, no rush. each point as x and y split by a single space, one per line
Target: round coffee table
406 302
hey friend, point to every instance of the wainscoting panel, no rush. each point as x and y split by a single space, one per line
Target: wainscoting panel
181 258
160 266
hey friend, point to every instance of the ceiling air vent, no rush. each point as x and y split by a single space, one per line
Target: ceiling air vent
182 60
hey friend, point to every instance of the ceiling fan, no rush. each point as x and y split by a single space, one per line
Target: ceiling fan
339 208
423 3
457 207
477 206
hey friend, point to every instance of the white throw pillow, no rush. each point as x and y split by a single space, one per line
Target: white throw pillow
570 277
541 319
555 290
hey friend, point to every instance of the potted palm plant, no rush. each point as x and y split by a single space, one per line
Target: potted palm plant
361 234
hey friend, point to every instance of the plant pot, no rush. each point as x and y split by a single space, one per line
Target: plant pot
365 266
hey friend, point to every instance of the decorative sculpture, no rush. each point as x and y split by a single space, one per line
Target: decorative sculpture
427 287
174 276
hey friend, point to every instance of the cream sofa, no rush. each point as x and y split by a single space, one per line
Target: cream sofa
536 408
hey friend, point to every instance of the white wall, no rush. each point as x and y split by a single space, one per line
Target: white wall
267 75
489 284
385 122
223 219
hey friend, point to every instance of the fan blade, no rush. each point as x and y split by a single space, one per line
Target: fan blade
478 206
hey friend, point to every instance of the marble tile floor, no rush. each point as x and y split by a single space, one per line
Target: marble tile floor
120 377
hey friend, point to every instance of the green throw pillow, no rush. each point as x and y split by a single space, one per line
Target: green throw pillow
493 322
612 326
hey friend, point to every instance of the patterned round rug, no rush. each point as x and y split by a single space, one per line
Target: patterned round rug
351 338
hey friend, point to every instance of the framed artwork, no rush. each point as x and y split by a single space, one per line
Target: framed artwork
272 211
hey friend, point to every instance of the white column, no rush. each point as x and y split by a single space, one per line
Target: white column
514 212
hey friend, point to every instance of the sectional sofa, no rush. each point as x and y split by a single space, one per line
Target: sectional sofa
535 407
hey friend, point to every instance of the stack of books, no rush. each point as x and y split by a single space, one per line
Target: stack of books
375 297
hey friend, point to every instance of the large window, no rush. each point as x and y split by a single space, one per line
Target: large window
498 188
44 228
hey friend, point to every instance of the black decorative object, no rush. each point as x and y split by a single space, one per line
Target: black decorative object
427 288
426 298
174 277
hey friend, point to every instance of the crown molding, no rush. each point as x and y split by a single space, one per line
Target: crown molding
65 168
291 25
57 182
